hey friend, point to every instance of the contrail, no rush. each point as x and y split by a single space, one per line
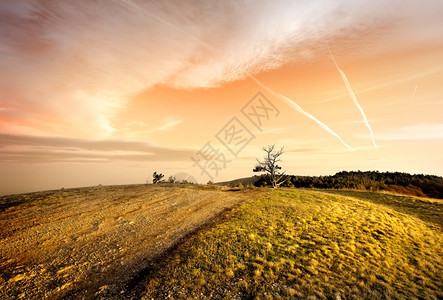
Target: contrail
353 97
299 109
415 90
284 98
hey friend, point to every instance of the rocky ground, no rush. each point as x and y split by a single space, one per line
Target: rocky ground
95 242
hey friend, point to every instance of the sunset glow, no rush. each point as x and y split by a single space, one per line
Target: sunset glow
107 92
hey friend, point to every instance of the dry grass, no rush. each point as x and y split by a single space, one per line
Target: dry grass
90 242
310 245
427 209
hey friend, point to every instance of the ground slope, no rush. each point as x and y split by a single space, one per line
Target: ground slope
90 242
306 244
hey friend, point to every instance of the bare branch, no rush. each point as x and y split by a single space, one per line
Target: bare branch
269 165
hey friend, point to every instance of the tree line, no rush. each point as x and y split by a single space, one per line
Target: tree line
404 183
157 178
269 164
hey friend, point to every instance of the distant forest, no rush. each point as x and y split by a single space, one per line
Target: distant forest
403 183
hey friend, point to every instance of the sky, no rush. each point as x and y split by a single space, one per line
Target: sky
107 92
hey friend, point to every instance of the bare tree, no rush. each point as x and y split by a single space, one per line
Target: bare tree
269 164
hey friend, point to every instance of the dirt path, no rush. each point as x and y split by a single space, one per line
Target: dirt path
90 242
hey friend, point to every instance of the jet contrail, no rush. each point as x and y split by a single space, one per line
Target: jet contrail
285 99
415 90
353 97
299 109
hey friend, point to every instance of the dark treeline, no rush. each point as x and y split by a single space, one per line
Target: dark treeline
404 183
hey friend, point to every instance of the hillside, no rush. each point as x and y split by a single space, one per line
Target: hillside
397 182
194 241
90 242
310 245
245 181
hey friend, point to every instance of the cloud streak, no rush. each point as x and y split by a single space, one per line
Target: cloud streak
353 97
415 90
169 125
298 108
38 149
424 131
65 61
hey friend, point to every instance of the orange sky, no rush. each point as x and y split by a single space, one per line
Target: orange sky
109 92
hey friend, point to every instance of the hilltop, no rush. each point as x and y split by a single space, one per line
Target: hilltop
181 241
397 182
303 244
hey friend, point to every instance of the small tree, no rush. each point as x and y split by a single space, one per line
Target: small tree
269 165
172 179
157 177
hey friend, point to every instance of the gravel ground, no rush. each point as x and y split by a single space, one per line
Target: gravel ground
92 242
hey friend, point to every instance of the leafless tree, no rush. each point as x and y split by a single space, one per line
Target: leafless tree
269 165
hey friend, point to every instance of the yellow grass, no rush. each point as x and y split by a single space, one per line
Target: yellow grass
310 245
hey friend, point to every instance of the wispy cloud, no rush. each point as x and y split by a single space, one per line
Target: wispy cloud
378 83
76 63
415 90
169 125
423 131
24 148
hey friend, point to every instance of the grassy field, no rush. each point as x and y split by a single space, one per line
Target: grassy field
309 245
